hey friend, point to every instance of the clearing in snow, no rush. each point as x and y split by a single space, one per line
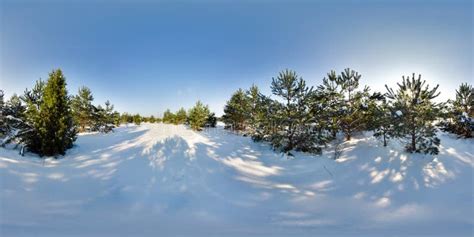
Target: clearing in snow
166 180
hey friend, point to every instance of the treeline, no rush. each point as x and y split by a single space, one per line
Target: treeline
198 117
46 119
306 118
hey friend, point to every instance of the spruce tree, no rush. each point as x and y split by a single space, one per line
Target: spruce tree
56 126
416 112
198 116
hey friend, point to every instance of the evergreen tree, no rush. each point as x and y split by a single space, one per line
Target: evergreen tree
293 119
83 109
55 125
211 120
416 112
13 126
137 119
381 117
3 128
331 100
355 103
345 106
180 117
461 112
168 117
198 116
255 109
237 111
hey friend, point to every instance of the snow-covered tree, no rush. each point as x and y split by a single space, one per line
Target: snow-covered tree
13 126
344 104
198 116
416 112
294 118
460 115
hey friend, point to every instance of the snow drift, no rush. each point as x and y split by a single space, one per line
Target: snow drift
166 180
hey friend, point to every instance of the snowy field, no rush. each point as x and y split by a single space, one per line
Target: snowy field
166 180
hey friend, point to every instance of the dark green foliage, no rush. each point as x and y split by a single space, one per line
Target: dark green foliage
459 117
237 111
198 116
382 115
211 120
83 110
346 107
293 118
415 113
50 117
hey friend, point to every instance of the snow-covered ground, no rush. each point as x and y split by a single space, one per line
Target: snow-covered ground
165 180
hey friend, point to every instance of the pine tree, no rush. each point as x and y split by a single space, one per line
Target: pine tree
294 117
13 126
180 117
355 103
3 128
255 110
83 109
211 120
416 112
237 111
331 100
381 117
137 119
168 117
461 112
266 123
55 123
345 106
198 116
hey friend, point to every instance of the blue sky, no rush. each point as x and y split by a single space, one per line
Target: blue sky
146 56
